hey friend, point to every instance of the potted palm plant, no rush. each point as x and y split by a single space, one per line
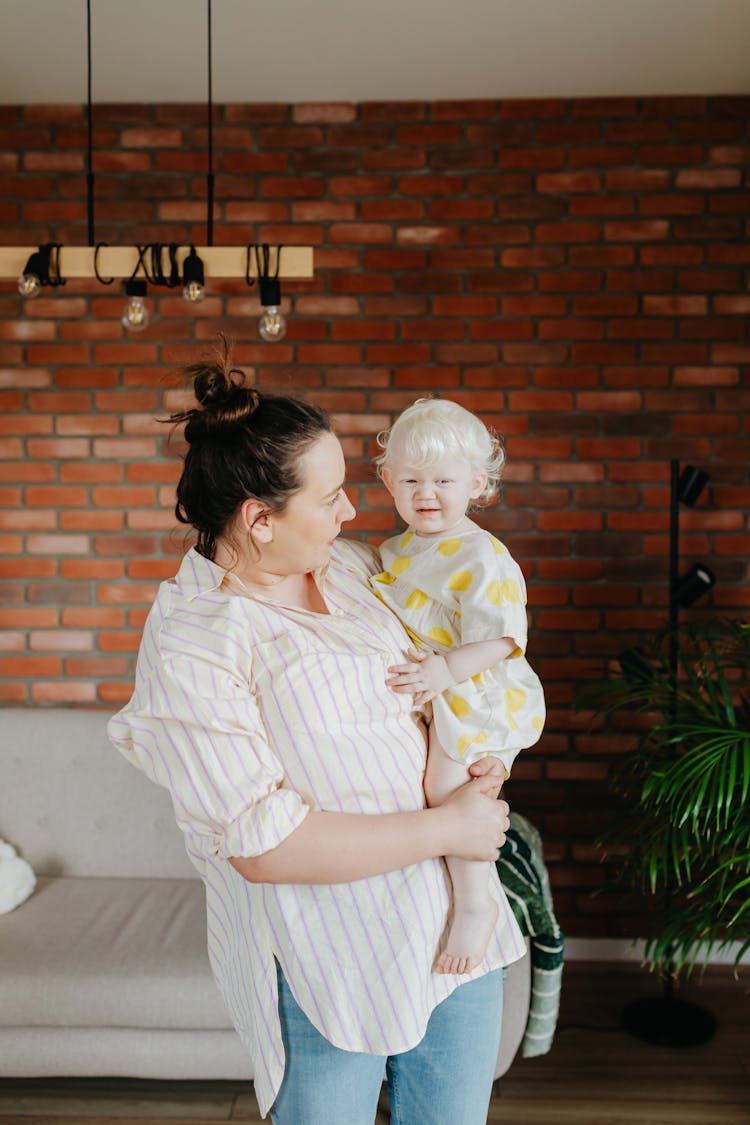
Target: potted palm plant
683 832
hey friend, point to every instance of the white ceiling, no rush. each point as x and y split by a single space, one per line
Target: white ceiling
379 50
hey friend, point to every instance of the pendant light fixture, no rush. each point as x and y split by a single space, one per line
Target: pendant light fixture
193 278
272 323
42 268
159 264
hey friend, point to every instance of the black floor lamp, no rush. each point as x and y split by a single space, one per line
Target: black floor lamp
664 1019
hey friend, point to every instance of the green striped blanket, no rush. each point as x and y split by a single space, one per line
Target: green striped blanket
524 876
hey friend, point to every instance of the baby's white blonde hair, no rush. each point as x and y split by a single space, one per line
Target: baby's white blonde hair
433 427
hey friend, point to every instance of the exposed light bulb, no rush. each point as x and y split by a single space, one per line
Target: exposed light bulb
194 292
272 324
36 272
135 316
193 278
29 285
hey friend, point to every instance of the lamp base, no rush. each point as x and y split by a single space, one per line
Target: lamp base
667 1022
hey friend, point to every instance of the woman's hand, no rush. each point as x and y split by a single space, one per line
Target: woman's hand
426 675
476 820
490 767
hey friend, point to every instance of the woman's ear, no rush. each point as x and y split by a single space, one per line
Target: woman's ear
255 520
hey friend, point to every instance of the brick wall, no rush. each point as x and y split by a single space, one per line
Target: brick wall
575 271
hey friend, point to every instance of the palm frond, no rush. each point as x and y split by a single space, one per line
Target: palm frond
684 830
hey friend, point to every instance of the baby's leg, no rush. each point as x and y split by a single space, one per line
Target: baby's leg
474 912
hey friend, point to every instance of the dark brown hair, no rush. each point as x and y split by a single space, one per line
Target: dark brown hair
241 444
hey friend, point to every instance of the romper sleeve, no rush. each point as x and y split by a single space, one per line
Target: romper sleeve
361 558
194 727
491 594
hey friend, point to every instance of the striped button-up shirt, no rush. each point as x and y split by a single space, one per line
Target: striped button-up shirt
251 713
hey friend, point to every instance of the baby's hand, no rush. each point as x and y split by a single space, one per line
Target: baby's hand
426 676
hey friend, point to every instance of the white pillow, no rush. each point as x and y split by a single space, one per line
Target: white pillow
17 880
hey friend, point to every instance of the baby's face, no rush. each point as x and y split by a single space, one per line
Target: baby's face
433 499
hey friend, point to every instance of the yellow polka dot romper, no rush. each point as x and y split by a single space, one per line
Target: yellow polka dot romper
453 591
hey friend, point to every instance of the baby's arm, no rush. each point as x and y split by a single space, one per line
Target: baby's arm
429 674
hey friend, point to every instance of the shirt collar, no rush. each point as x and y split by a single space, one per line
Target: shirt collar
198 575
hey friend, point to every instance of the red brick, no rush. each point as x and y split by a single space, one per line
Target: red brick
30 666
393 160
124 447
637 230
396 259
55 496
398 353
422 136
669 155
564 183
675 306
61 640
25 471
600 156
325 211
360 185
501 329
53 161
570 281
431 235
457 259
328 353
429 185
682 204
670 255
151 138
58 448
637 180
596 205
363 330
66 691
464 306
570 328
708 179
601 255
291 187
360 233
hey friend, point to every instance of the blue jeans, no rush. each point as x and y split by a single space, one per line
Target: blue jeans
445 1080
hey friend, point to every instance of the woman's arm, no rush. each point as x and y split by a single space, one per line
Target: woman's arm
330 847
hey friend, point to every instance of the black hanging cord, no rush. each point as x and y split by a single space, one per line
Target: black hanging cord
248 258
104 280
268 283
141 263
263 267
90 172
54 277
210 175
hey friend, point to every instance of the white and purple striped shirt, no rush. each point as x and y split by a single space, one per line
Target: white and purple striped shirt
251 713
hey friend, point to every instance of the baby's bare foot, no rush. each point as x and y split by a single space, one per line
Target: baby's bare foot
467 939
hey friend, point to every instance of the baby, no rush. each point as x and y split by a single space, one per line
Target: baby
462 600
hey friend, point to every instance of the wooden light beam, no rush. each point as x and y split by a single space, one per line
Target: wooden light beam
120 261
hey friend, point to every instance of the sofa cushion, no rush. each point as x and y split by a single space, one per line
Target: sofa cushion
109 953
71 805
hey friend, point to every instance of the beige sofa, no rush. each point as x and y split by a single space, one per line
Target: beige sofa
103 970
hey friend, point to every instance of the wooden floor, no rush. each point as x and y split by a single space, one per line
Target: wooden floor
595 1074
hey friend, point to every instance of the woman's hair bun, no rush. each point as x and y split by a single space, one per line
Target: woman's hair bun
218 389
222 394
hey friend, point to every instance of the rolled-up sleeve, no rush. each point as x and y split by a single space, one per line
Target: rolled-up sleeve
194 727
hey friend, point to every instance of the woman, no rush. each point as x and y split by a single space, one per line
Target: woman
296 776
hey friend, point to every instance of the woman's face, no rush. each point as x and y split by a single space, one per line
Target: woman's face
304 532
